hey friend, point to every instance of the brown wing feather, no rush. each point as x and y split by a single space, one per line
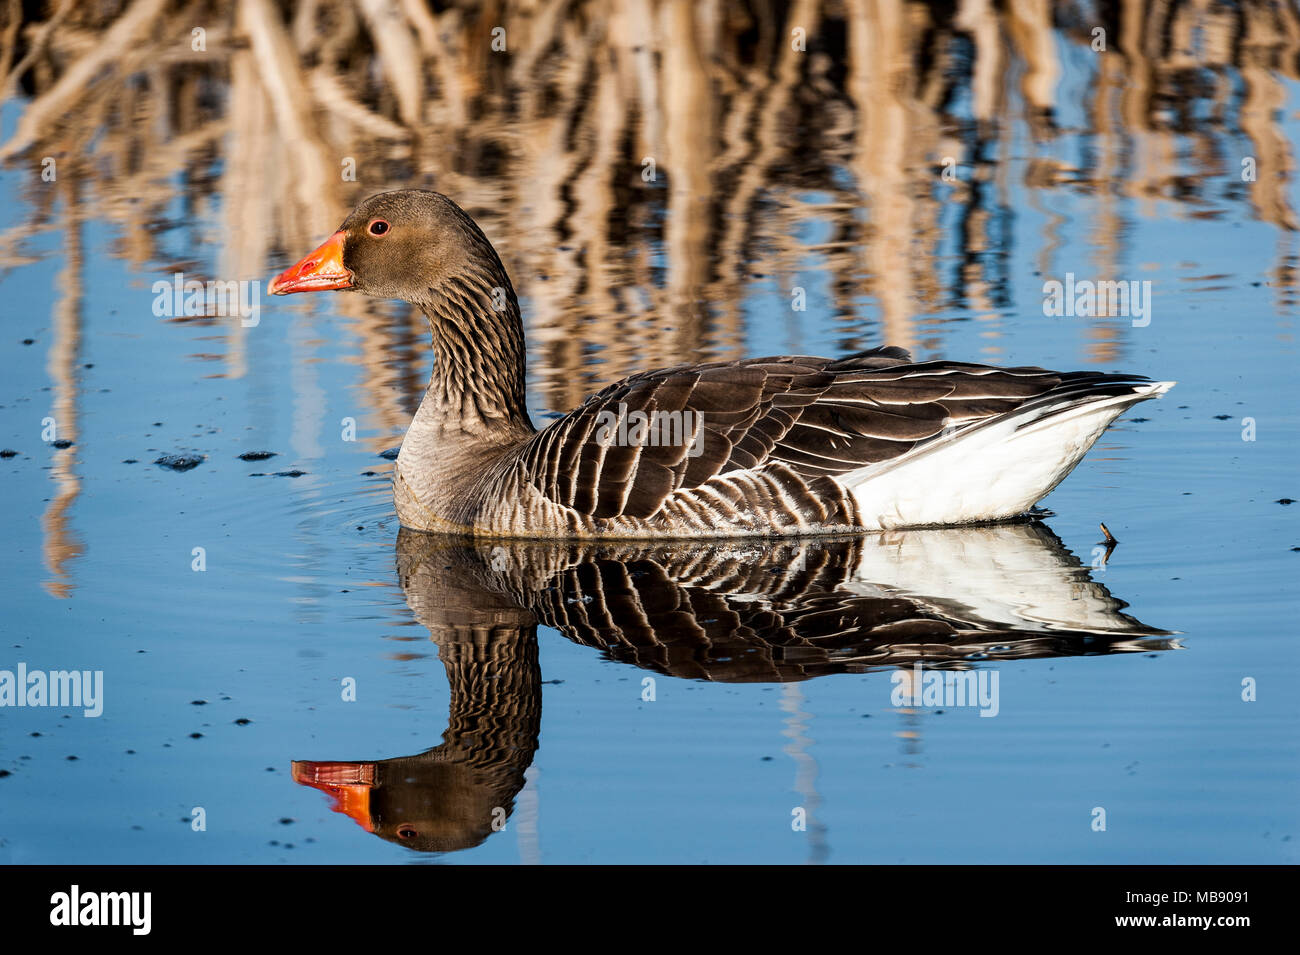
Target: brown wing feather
811 416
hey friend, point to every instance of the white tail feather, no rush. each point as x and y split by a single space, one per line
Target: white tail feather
994 470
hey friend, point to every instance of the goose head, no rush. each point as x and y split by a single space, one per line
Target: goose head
412 245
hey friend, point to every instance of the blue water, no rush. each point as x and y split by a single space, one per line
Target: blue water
301 590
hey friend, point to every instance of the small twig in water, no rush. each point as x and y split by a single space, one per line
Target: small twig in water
1110 543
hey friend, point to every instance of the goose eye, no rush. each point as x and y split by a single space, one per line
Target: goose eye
407 832
377 227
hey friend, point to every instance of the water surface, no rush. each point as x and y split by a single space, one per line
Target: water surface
1120 679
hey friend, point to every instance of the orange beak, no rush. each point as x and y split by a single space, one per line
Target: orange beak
349 784
321 270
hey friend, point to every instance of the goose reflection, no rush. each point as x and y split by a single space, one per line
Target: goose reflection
737 611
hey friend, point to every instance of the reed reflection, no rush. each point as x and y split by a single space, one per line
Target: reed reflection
655 162
740 612
783 139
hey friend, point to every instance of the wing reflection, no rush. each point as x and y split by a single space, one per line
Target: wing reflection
758 611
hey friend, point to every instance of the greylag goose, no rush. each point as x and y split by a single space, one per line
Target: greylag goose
780 445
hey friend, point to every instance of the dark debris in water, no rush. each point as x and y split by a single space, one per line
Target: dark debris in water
256 455
8 453
293 474
62 444
179 462
1285 500
391 454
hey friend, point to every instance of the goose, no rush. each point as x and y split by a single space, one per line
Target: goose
783 445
